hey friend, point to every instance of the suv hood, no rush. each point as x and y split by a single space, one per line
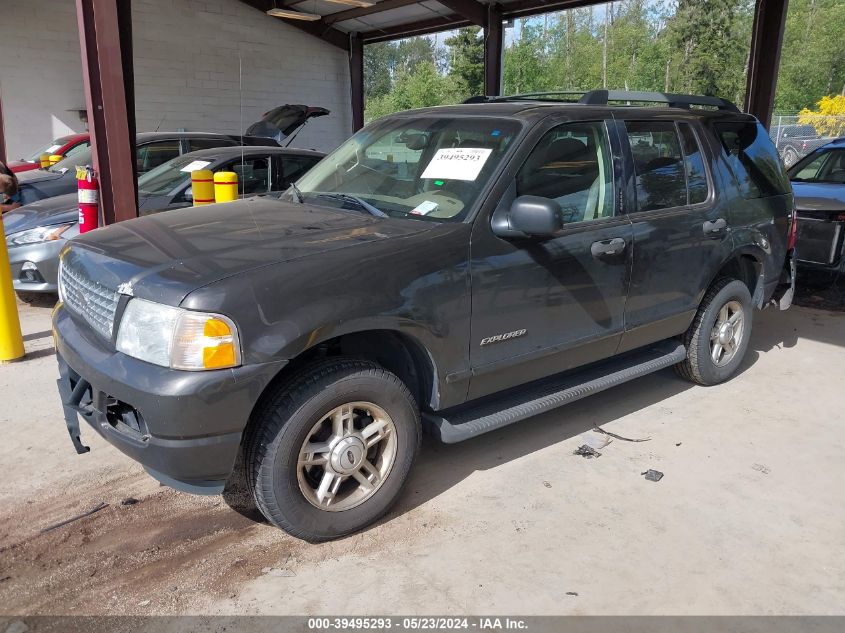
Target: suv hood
281 122
165 256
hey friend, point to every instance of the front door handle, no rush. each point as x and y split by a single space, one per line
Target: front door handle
715 226
608 247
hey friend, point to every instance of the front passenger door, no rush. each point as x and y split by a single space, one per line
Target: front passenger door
545 305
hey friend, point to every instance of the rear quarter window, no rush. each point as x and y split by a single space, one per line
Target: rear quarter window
753 159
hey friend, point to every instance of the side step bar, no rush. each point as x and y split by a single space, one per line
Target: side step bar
493 412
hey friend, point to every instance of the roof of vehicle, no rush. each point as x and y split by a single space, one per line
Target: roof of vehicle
248 150
73 138
145 137
835 142
531 105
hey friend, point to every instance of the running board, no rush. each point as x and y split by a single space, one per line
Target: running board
493 412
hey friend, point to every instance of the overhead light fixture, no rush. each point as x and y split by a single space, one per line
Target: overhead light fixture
354 3
293 15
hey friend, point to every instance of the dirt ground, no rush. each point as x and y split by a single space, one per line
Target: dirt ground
748 519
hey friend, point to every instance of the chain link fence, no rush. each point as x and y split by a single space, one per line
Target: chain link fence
796 135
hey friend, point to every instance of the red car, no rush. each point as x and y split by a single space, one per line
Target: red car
64 146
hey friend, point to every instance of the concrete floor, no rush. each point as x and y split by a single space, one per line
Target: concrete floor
748 519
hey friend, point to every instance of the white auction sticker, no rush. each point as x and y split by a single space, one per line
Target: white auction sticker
52 148
424 208
457 163
195 165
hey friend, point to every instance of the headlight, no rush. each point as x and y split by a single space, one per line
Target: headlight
178 338
38 234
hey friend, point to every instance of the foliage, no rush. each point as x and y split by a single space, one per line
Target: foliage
697 46
829 119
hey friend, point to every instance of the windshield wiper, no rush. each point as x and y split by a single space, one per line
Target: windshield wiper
362 204
296 192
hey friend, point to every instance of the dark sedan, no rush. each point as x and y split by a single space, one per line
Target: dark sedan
153 149
818 181
36 233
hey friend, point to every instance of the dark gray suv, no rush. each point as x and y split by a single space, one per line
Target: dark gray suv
457 269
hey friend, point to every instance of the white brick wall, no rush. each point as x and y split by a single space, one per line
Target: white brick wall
188 56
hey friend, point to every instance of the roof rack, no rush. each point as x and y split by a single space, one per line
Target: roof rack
603 97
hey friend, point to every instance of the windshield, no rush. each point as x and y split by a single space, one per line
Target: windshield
423 168
82 157
826 166
164 178
49 148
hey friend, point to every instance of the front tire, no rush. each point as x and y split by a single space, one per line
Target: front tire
330 450
717 339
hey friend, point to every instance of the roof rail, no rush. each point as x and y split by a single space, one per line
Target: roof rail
602 97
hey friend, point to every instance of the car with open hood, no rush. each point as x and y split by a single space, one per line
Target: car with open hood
278 126
458 269
37 232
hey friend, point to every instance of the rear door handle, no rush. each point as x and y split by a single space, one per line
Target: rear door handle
715 226
608 247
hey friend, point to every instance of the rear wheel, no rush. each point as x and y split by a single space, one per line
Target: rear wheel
330 450
790 156
718 338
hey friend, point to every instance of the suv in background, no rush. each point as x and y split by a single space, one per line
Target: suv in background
458 268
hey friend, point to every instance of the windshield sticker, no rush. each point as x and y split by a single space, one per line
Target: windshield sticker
195 165
457 163
52 149
424 208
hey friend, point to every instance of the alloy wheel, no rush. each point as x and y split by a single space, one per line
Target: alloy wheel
726 335
347 456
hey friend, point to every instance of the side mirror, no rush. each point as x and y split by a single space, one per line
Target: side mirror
536 216
188 194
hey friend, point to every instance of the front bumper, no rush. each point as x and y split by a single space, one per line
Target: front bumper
45 257
184 427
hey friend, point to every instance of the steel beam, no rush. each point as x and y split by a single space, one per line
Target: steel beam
105 38
473 11
356 78
493 48
764 60
318 29
358 12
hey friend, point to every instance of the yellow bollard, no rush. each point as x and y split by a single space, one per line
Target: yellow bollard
202 187
11 341
55 158
225 186
44 161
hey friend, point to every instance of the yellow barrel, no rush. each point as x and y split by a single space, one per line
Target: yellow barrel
44 161
55 158
225 186
11 341
202 187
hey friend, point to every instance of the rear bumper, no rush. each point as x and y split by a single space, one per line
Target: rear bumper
184 427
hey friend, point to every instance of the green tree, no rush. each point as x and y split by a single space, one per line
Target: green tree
466 61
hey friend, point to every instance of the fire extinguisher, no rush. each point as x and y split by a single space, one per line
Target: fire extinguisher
87 188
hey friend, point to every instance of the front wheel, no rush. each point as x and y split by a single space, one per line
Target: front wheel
330 450
718 338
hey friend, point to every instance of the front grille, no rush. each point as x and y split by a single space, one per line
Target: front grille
89 299
818 240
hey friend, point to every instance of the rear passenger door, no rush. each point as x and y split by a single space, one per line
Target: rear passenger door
679 233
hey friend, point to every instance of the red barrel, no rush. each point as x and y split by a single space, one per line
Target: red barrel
87 188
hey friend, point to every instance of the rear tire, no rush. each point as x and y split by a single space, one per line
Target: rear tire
330 450
717 339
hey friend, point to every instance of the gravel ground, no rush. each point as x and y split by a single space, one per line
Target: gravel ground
748 518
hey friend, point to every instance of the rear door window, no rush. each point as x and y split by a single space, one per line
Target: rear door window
658 164
253 175
753 159
694 165
295 166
